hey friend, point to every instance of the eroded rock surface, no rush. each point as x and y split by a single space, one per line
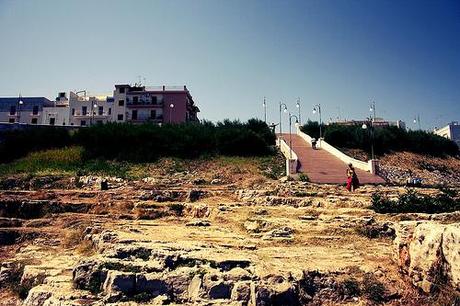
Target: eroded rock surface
429 253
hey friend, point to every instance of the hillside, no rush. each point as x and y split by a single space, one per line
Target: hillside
206 232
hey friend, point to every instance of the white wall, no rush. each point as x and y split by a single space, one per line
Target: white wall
59 113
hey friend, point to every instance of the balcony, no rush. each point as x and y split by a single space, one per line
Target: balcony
95 115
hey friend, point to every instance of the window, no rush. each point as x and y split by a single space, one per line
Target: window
34 121
100 110
120 117
35 110
11 120
52 121
84 110
121 90
12 110
154 100
121 103
135 100
73 111
153 114
134 115
110 111
83 123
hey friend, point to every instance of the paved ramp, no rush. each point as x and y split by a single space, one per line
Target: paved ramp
323 167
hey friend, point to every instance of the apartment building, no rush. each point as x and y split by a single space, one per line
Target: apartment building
450 131
87 111
24 110
130 103
161 104
58 113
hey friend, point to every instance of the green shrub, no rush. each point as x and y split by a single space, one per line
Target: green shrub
18 143
148 142
303 177
412 202
385 139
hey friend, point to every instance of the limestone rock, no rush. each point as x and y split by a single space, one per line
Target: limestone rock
429 253
241 292
197 210
219 290
38 295
194 288
119 282
151 283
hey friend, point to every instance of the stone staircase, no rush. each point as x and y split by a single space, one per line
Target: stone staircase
323 167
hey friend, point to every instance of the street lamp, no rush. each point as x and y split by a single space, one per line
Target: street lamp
417 120
317 108
281 110
93 110
20 103
371 133
298 107
171 106
265 110
290 133
372 109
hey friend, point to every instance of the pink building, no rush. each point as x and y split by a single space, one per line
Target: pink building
163 104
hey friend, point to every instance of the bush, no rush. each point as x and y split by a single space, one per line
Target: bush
143 143
17 143
386 139
148 142
412 202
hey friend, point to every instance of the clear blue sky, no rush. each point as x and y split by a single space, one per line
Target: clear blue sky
403 54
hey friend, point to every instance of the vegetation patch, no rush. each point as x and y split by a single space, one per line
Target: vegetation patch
385 139
413 202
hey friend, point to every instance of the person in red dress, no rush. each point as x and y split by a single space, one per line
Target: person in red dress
352 178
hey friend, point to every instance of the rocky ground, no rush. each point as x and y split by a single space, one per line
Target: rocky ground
397 167
219 237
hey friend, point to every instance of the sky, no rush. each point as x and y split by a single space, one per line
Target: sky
341 54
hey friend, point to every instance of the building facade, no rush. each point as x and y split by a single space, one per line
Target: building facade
377 122
450 131
163 104
134 104
87 111
24 110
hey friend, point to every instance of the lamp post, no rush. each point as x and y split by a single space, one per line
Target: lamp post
265 110
417 120
290 133
20 103
371 133
93 110
298 107
281 110
317 108
372 110
171 106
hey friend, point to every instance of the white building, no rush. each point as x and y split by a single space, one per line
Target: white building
87 111
450 131
58 113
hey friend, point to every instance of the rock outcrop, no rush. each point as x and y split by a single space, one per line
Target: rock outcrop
429 253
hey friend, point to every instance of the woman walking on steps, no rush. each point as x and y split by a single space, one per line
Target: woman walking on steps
352 178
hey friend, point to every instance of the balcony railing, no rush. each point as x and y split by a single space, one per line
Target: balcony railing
88 115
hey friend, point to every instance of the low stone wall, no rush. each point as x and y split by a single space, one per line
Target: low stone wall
292 160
